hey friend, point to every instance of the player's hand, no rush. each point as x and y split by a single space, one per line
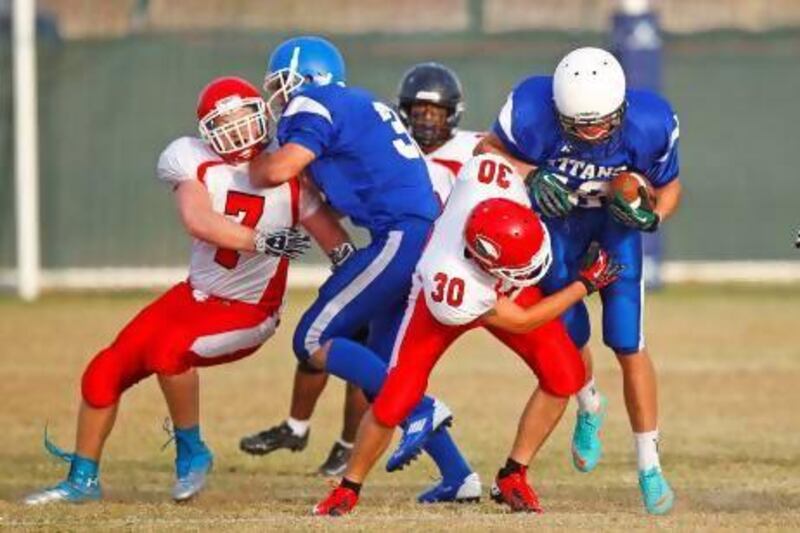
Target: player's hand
284 242
341 254
642 218
797 240
598 269
549 193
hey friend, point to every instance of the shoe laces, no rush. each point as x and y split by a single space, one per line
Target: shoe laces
586 427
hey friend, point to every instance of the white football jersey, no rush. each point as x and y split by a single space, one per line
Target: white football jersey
250 277
456 289
458 150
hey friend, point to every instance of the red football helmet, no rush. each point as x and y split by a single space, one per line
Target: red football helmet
509 241
232 118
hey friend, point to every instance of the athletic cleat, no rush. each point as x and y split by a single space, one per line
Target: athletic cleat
192 475
336 462
339 502
657 495
272 439
418 428
513 490
586 445
68 491
468 491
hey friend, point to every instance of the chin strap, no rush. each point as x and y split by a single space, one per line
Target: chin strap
54 450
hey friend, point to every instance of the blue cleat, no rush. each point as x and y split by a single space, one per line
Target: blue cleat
191 473
657 495
468 491
82 483
418 428
586 446
68 491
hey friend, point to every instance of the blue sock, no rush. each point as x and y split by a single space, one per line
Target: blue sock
356 364
82 470
444 452
188 441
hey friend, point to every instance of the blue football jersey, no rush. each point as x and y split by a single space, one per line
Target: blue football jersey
647 140
366 165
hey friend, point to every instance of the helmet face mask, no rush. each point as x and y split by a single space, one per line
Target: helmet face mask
232 119
299 62
424 89
589 94
507 240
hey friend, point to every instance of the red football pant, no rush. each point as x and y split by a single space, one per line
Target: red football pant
173 334
547 350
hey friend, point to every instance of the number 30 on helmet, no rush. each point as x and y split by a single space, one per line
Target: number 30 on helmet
508 241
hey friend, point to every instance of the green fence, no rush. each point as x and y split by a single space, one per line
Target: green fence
107 108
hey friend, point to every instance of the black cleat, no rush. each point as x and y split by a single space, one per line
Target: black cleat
272 439
336 462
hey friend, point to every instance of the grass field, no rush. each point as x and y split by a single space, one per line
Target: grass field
729 365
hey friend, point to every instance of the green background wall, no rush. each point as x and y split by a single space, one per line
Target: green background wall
107 108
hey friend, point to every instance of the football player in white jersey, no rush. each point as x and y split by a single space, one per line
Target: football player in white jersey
230 304
480 269
430 101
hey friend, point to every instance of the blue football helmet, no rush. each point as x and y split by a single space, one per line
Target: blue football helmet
300 61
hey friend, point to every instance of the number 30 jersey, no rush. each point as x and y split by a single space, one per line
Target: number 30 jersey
456 290
245 276
366 164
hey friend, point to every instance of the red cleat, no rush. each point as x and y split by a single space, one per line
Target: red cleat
514 491
339 502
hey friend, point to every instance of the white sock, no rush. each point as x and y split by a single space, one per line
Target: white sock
588 397
298 427
345 444
647 450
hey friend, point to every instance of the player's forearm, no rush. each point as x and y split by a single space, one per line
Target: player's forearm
553 306
266 171
491 144
325 229
668 198
215 229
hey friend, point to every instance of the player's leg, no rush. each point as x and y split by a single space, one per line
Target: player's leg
623 319
458 483
372 283
569 239
420 343
104 380
551 355
193 459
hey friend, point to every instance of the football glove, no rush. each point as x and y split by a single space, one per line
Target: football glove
548 192
341 254
598 269
284 242
642 218
797 240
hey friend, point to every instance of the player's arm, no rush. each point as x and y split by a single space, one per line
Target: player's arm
668 198
598 271
202 222
322 223
273 169
492 144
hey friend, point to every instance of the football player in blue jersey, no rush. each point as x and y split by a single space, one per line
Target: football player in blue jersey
355 149
571 133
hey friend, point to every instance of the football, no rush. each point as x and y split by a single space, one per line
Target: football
627 184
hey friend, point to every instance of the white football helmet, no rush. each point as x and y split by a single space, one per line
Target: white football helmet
589 93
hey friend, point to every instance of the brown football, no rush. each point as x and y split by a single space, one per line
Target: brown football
627 184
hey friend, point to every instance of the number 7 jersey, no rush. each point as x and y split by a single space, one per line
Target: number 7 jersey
456 290
250 277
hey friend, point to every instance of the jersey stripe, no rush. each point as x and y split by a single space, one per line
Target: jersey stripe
203 168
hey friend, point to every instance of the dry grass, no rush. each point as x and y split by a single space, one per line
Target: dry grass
729 363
